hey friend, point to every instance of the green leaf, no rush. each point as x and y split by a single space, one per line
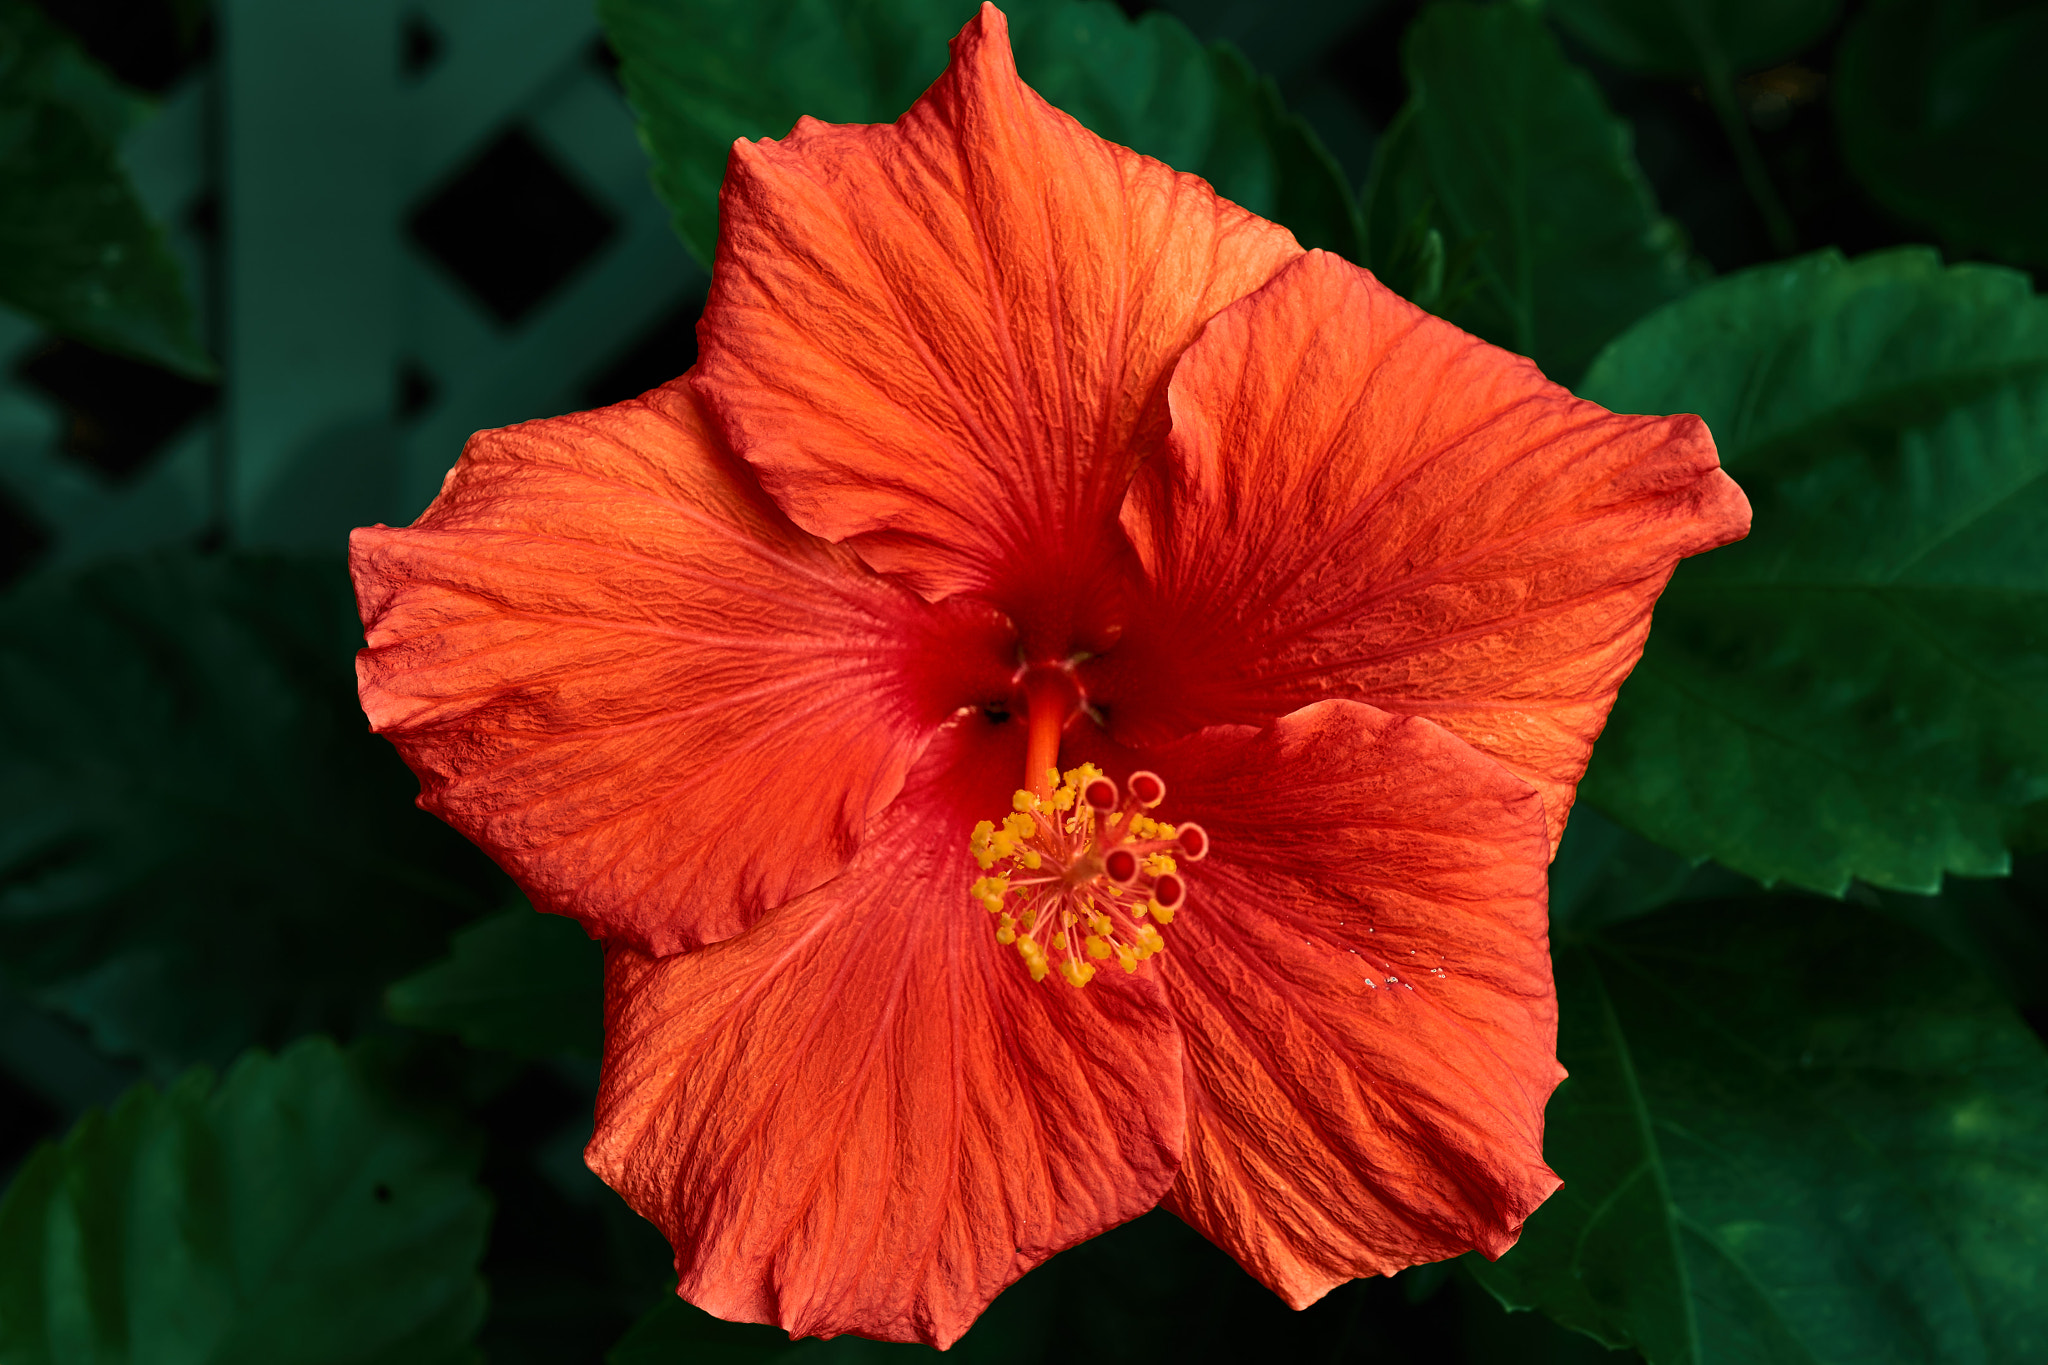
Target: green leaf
520 982
1510 153
1604 873
1151 85
1693 37
78 252
286 1217
701 75
1803 1137
1998 925
201 846
1942 111
1857 689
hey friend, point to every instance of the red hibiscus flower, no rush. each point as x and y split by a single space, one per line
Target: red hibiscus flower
1011 449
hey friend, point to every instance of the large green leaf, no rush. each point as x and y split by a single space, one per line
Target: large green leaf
702 74
1791 1134
1604 873
1694 37
201 845
520 982
1943 114
78 252
287 1216
1508 152
1860 689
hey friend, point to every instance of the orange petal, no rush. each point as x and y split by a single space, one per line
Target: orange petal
1362 979
1362 500
863 1115
617 668
946 339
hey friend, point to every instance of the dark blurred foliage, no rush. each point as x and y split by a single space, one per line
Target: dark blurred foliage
570 1269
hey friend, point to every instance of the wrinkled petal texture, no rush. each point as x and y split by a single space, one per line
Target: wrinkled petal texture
617 668
863 1115
946 339
1362 980
1363 501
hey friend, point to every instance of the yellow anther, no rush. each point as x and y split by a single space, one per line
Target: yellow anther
1063 845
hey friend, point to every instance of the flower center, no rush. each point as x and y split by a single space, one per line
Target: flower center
1079 873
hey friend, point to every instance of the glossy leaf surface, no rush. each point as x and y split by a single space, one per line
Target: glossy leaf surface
1792 1133
1859 689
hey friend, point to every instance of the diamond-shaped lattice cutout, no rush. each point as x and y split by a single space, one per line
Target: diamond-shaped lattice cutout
118 412
511 226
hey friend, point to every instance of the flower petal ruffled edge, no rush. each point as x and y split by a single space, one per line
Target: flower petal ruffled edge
1362 980
1400 513
616 667
946 340
863 1115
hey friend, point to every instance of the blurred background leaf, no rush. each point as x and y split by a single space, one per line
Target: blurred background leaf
201 844
518 982
1942 107
1857 689
1790 1134
1692 37
78 251
703 74
289 1215
1509 153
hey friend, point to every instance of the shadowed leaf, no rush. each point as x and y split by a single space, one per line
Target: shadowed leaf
283 1217
78 252
1509 153
519 982
1790 1135
201 844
